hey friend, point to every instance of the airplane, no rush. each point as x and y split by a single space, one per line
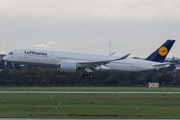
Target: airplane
71 62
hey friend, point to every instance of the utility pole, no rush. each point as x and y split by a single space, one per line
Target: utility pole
109 46
2 46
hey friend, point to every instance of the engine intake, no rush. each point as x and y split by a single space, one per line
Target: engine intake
68 67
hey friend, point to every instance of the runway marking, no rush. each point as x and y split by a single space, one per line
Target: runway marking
73 119
88 92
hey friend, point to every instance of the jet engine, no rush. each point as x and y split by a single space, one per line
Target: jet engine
68 67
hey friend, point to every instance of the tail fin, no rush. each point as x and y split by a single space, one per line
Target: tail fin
160 54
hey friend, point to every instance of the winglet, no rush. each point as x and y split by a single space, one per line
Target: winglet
112 54
124 57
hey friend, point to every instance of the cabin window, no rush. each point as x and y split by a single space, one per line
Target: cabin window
11 53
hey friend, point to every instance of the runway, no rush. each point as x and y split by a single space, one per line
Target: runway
77 92
74 119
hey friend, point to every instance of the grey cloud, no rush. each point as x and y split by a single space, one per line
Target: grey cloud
92 9
136 26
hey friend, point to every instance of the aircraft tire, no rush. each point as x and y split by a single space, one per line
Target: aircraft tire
90 76
85 76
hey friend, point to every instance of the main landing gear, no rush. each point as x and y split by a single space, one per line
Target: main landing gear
85 76
87 73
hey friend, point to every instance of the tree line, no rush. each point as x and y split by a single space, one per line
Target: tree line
35 75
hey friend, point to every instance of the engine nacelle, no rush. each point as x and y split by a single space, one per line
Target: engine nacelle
68 67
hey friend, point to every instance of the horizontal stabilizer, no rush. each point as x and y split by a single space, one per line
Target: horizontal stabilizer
162 64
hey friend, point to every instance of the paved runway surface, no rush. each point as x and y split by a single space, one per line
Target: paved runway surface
75 119
84 92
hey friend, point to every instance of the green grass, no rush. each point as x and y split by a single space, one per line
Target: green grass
161 89
141 106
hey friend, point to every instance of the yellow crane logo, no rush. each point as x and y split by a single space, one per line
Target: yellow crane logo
163 51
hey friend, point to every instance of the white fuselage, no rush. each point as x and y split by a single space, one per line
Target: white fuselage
54 58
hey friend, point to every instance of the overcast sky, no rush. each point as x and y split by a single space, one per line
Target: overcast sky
138 27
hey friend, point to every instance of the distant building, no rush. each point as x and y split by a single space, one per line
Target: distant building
1 56
172 58
177 66
1 62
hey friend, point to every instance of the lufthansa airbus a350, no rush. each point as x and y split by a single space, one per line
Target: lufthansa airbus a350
70 62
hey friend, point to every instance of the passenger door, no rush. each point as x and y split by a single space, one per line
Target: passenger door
51 57
20 54
137 64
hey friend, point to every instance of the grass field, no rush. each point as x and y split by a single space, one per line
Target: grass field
141 106
163 89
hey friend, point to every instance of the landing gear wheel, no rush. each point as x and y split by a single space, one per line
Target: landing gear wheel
85 76
90 76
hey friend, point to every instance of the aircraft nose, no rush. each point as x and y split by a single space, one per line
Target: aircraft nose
5 58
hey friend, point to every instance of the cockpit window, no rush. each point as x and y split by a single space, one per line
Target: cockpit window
11 53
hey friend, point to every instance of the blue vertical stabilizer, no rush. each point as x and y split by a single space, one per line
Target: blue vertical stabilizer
160 54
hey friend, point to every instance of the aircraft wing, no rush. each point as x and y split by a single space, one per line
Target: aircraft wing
99 62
